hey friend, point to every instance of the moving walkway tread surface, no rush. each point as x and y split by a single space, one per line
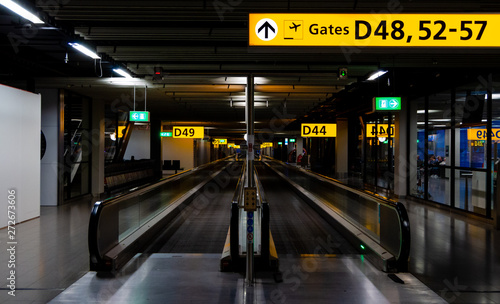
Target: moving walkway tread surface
364 214
202 225
297 229
172 277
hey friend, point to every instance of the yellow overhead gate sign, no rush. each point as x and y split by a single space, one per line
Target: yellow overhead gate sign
318 130
189 132
378 30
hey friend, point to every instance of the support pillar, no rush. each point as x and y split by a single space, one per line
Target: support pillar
342 149
155 151
401 163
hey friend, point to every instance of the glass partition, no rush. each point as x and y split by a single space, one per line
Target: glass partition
438 143
417 148
495 147
452 145
380 131
470 148
122 219
77 144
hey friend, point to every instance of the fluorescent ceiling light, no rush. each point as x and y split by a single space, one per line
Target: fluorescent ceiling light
85 50
430 111
127 82
440 120
256 103
16 8
122 73
440 126
493 96
376 75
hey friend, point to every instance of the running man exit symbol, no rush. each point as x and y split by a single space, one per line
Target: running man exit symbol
293 29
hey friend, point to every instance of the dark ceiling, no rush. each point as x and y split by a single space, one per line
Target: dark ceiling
203 49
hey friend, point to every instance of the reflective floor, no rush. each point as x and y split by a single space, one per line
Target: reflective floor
51 253
459 258
456 257
195 278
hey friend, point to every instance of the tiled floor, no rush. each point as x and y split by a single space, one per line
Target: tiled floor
51 253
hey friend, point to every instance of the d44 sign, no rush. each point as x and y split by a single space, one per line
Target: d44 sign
319 130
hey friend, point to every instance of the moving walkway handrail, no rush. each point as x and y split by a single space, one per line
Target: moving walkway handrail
240 185
265 221
104 234
234 239
392 217
400 249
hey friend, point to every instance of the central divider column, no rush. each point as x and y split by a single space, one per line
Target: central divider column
249 109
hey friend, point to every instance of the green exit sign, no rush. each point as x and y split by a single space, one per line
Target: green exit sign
166 134
292 140
140 116
386 103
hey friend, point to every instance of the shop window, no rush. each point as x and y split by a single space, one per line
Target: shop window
417 148
439 120
452 147
379 164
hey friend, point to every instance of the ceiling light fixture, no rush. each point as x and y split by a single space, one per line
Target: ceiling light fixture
376 75
16 8
493 96
440 120
122 73
84 50
382 137
429 111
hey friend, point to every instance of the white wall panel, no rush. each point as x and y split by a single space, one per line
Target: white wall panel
20 123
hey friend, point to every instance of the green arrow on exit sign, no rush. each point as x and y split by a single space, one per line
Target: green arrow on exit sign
140 116
386 103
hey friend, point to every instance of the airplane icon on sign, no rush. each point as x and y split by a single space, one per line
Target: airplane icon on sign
295 26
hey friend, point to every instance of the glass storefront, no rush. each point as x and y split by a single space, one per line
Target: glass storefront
379 155
453 147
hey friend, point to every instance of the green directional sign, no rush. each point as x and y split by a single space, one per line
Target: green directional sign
140 116
166 134
386 103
